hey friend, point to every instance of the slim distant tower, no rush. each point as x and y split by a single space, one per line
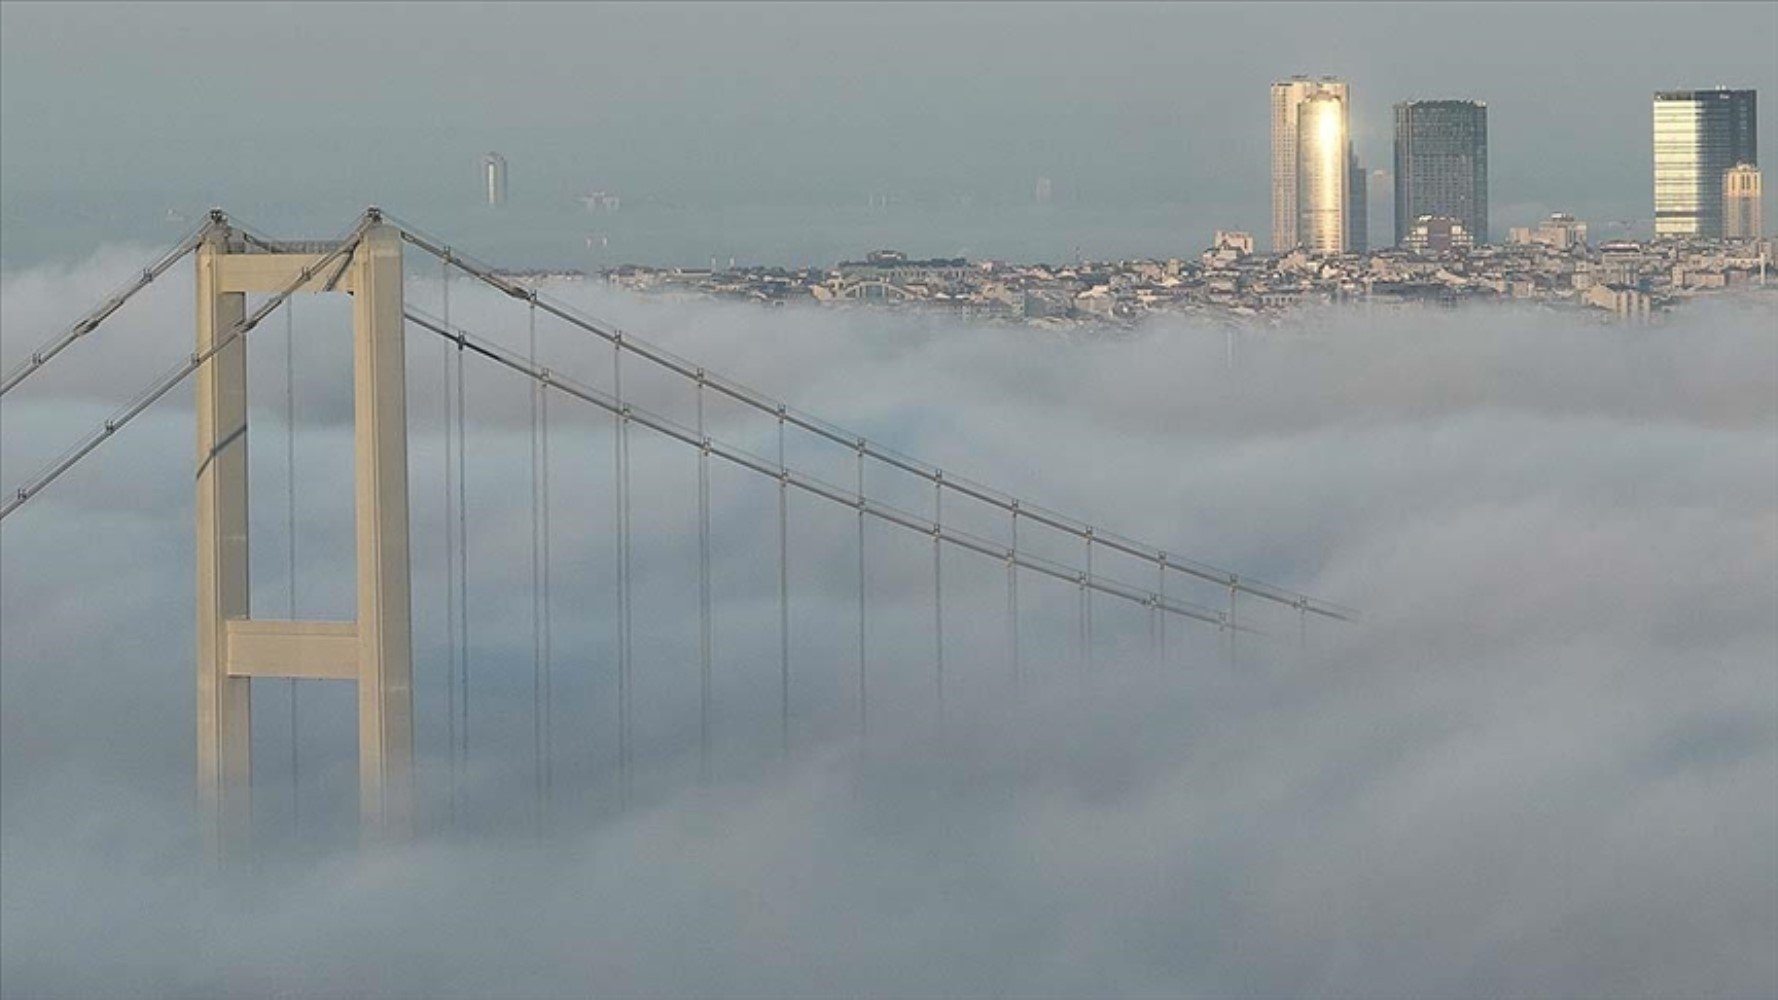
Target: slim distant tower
1358 205
1441 165
1287 96
1740 203
1698 136
494 178
1323 173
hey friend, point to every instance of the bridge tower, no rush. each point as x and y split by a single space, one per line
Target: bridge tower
375 649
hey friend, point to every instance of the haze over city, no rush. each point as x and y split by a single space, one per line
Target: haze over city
888 500
763 132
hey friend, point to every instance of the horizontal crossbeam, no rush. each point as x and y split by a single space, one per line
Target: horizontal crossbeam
304 650
259 273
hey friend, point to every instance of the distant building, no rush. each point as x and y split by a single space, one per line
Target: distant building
1437 234
1230 239
1441 164
893 267
601 201
1698 136
1358 205
1560 230
1323 173
1287 97
1044 192
494 178
1626 303
1740 203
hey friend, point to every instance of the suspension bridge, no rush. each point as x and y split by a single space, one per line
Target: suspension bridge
375 649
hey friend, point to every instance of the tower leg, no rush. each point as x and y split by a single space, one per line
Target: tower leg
224 742
385 664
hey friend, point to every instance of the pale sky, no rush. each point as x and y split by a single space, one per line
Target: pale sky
113 114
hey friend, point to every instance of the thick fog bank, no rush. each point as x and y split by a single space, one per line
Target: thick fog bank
1543 763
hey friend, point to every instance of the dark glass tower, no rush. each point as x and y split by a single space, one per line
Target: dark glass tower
1441 164
1358 206
1698 136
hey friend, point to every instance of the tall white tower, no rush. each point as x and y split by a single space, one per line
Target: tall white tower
494 178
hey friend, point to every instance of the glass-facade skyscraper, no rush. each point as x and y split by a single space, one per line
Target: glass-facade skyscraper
1699 135
1323 172
1358 205
1441 164
1287 98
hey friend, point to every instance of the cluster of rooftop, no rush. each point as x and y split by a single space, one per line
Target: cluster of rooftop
1551 264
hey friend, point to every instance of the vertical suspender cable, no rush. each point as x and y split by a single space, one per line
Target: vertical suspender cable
462 552
1081 612
536 390
1234 589
704 604
549 744
863 689
1086 609
938 593
783 591
1160 574
629 662
450 534
1154 630
620 451
1012 600
290 535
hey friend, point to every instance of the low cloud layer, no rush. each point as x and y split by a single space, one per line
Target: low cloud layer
1543 764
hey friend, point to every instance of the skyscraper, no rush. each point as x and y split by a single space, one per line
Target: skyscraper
1323 173
494 178
1358 205
1441 164
1740 202
1287 96
1698 136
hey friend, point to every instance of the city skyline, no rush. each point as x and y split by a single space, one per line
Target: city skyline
750 134
1441 167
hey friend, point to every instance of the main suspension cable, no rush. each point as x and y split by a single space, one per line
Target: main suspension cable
90 322
165 384
768 405
770 469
